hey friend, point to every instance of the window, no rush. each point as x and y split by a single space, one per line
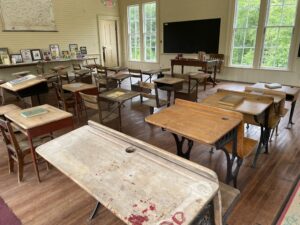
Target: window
278 33
263 42
134 33
245 30
149 31
147 40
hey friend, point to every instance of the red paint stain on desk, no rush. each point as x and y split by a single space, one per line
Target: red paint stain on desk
152 207
137 219
178 218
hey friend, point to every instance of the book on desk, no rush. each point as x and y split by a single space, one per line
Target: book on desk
33 112
20 80
273 85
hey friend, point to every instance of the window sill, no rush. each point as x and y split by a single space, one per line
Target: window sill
262 69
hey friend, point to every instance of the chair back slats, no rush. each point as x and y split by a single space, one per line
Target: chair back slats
92 102
9 136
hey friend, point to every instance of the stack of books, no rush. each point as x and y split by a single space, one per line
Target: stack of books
20 80
273 85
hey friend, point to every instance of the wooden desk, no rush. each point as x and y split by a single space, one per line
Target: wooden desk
292 94
75 88
153 72
255 107
119 96
27 88
119 77
169 84
204 124
197 63
117 69
8 108
55 119
59 68
139 183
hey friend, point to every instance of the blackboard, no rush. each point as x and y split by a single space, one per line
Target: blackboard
192 36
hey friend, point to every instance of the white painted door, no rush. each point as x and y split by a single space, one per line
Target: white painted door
108 42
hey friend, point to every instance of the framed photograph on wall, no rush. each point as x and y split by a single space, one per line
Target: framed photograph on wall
26 55
54 50
83 50
4 56
16 58
73 47
36 54
66 54
46 55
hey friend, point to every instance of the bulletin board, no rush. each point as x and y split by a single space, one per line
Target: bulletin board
27 15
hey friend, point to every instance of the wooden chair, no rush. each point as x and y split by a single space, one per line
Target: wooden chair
134 73
153 100
63 102
17 147
103 81
102 117
219 57
50 77
189 91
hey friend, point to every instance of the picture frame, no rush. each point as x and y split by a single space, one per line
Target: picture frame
26 55
46 55
66 54
73 47
16 58
36 54
54 51
4 56
83 50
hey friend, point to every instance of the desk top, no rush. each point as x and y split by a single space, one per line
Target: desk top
252 104
146 186
7 108
195 121
77 87
24 84
155 71
121 75
53 114
60 67
169 80
293 91
117 68
119 95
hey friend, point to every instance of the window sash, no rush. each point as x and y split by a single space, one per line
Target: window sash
134 39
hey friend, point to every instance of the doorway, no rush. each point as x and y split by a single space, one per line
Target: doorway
109 41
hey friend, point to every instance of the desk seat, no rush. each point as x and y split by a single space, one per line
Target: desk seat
249 145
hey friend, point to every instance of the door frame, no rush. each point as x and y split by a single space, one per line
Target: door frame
117 22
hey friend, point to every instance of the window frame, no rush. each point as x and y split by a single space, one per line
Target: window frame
141 19
129 34
260 38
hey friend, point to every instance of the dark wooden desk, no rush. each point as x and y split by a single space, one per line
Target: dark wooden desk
205 65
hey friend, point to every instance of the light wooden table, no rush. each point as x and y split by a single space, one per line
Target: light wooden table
8 108
27 88
119 77
292 94
255 107
77 87
139 183
153 72
55 119
204 124
169 84
119 96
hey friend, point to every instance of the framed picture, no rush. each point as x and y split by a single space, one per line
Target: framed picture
16 58
4 56
26 55
46 55
36 54
65 54
83 50
54 50
73 47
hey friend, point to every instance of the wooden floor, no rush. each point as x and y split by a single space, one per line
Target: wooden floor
59 201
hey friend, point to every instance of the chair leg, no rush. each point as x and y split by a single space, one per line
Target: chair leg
151 110
20 170
11 163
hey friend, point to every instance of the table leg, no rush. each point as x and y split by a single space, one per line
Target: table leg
179 145
291 123
76 107
2 95
92 216
168 98
33 155
120 117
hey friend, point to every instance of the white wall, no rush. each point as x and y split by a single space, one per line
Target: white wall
178 10
76 22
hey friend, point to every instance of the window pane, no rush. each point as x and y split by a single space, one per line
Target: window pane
245 30
134 32
278 33
149 31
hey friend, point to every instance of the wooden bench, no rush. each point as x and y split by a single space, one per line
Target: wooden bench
229 196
